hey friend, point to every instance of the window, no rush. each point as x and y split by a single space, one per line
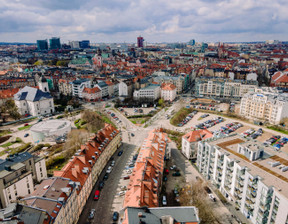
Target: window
29 192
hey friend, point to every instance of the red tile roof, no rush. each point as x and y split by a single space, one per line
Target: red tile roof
198 135
91 90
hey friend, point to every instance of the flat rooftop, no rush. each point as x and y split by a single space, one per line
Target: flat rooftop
271 175
50 126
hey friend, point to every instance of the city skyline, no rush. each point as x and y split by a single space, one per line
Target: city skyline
157 21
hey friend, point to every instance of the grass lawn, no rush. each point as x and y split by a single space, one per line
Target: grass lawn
275 128
4 132
24 127
139 120
7 144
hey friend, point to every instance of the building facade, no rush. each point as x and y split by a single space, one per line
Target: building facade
18 174
265 104
150 93
223 88
168 92
92 94
78 87
253 178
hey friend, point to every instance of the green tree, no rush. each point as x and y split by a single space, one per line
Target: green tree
10 108
161 102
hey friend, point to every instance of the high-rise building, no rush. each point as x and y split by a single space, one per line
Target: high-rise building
84 44
42 45
140 41
55 43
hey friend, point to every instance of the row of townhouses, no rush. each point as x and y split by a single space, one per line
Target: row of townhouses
59 199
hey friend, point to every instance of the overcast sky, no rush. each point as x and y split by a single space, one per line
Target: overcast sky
155 20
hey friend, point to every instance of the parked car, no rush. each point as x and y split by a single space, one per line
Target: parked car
164 201
126 177
173 167
120 153
176 174
92 214
105 176
26 124
115 216
26 135
96 195
207 189
211 196
101 184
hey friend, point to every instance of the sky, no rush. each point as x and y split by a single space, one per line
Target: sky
156 20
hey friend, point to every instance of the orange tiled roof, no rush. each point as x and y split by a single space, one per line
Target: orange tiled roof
147 174
168 86
197 135
8 93
91 90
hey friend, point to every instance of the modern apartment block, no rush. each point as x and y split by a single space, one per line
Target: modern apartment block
151 92
266 104
254 177
223 88
79 85
17 176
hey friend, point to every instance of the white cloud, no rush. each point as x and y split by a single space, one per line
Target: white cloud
158 20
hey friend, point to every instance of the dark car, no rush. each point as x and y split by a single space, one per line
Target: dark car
176 174
101 184
207 189
105 176
132 135
26 135
165 178
120 153
115 216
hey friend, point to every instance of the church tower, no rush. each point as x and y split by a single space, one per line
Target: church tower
43 84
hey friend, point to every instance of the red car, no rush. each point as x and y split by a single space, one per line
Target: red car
97 194
166 171
26 125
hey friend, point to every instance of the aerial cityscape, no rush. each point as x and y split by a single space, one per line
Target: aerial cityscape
119 112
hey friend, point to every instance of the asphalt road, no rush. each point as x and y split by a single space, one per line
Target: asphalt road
103 206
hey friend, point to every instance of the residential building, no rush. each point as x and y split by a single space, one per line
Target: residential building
254 177
190 142
280 80
92 94
150 93
54 43
88 162
110 88
65 87
146 179
17 176
78 86
42 45
160 215
168 92
126 88
266 104
223 88
16 213
84 44
56 196
35 101
178 81
7 94
104 89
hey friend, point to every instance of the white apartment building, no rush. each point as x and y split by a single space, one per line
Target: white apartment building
256 180
17 174
79 85
151 92
168 92
219 87
265 105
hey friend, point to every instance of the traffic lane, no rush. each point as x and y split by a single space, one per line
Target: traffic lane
104 209
112 179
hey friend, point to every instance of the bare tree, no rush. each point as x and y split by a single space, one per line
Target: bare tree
195 195
93 121
74 141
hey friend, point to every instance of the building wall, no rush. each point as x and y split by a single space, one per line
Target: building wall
249 194
20 188
168 95
41 172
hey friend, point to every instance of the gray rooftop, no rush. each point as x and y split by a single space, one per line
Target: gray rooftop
153 215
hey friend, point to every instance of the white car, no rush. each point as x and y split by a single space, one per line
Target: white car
109 169
164 201
211 196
